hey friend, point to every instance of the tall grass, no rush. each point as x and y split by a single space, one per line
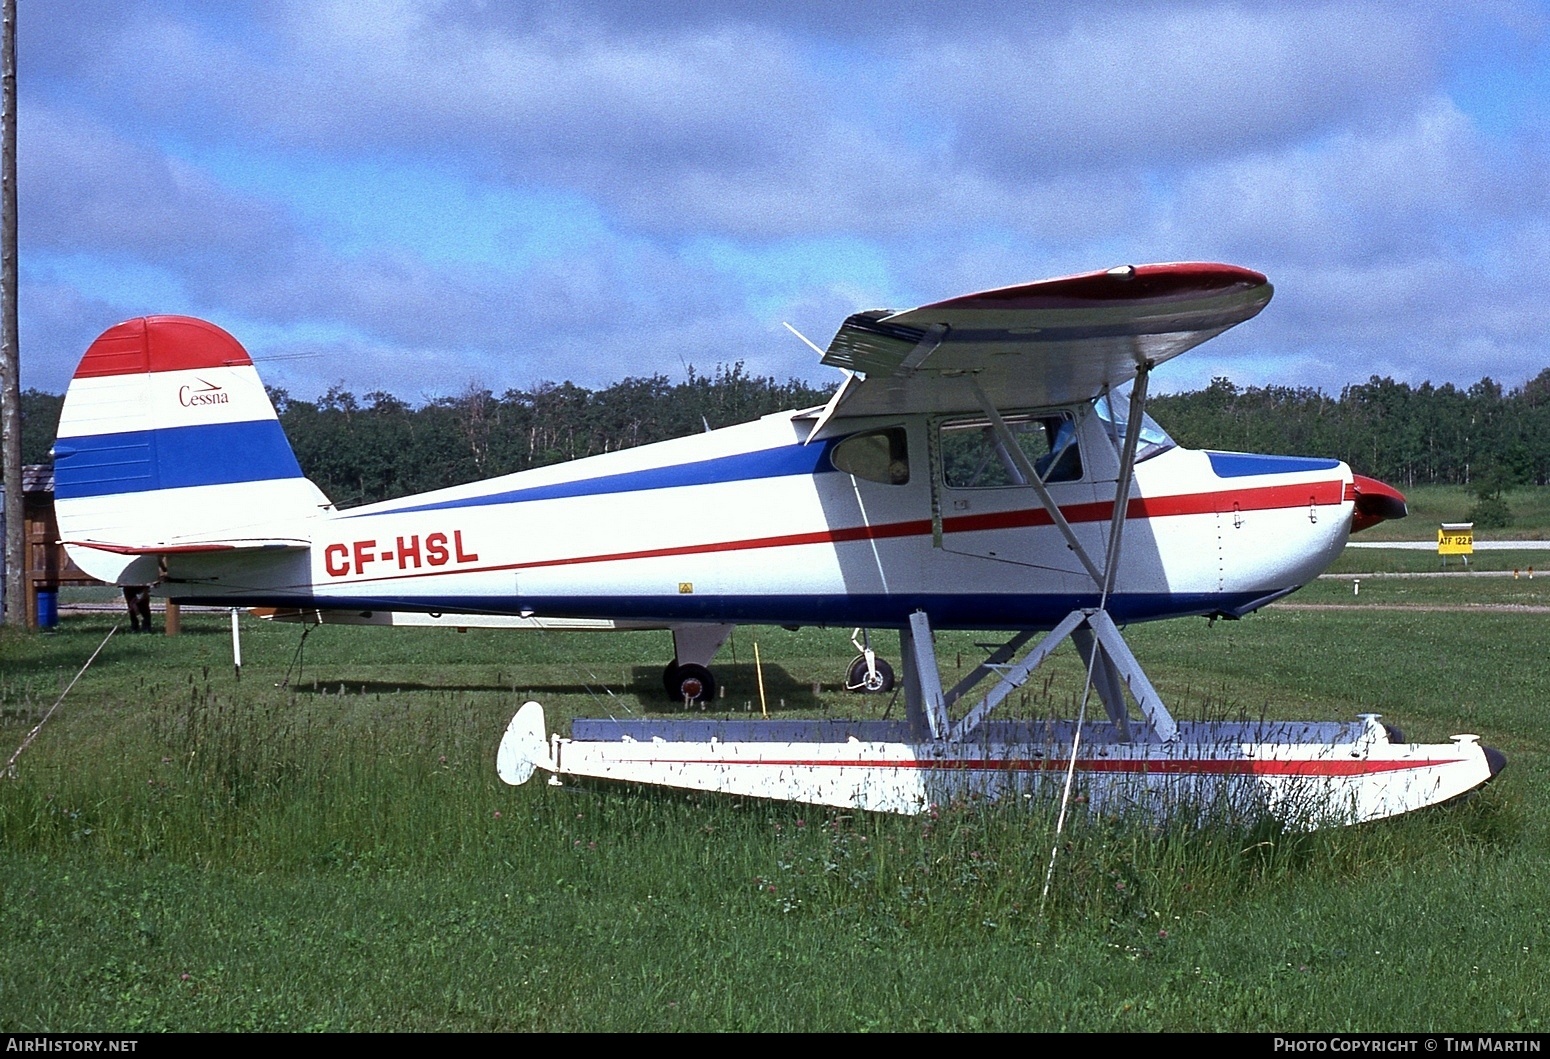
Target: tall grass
404 784
185 851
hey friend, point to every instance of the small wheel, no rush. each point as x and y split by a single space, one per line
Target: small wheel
669 674
692 683
859 679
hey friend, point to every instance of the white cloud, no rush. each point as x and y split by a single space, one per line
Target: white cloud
1423 185
951 147
1172 86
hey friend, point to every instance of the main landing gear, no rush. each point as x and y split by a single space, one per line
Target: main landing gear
687 679
689 683
867 674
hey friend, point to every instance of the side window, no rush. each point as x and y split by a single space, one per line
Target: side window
973 457
877 456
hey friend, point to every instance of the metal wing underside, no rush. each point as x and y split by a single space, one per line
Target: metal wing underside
1052 342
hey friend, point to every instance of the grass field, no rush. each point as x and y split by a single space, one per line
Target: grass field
180 850
1527 565
1431 505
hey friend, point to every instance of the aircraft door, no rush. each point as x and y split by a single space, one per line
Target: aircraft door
879 489
982 503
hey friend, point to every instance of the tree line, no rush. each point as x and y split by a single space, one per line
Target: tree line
1484 437
364 449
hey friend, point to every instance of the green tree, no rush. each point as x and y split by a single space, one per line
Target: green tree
40 424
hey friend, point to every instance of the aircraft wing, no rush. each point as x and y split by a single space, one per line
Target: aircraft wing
1051 342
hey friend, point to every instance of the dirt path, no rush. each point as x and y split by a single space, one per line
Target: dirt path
1472 574
1450 608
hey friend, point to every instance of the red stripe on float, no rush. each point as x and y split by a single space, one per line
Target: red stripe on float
1210 767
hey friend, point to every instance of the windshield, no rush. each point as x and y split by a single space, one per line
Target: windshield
1116 416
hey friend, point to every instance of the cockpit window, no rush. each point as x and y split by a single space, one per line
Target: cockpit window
878 456
973 456
1115 417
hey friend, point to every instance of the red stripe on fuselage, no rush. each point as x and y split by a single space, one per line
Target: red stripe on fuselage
1263 498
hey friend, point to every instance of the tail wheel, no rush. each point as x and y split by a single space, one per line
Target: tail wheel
860 679
689 683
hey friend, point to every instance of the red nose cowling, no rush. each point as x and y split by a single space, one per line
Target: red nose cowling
1375 503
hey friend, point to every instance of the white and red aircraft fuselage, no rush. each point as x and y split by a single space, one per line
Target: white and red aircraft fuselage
964 476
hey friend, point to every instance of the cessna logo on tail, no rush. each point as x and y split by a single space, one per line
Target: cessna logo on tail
207 393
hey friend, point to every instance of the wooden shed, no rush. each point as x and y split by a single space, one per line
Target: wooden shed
47 564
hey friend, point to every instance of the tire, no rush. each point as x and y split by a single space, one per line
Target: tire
857 678
690 682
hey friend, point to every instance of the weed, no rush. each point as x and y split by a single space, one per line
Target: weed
182 852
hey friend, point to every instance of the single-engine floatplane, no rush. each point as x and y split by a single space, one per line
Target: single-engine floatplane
963 476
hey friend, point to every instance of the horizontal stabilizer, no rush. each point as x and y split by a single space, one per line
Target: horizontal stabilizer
445 620
195 547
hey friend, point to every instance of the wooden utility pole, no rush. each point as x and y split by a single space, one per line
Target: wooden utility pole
10 354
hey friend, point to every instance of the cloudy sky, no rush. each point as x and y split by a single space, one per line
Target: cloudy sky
417 196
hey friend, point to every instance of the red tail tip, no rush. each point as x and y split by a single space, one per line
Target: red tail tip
160 343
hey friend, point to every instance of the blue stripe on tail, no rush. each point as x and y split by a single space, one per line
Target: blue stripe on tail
172 458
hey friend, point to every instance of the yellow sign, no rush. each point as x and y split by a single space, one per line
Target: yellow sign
1456 538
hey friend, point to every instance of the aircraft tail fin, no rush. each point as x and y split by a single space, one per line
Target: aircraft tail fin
168 443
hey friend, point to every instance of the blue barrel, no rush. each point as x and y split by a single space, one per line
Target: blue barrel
48 608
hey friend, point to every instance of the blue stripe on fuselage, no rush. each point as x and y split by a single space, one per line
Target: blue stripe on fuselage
172 458
744 466
1243 464
981 610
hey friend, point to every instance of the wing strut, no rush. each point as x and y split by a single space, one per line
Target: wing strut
851 383
1031 477
1112 666
1127 467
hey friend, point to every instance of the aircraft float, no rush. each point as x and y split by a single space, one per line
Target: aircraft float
965 475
